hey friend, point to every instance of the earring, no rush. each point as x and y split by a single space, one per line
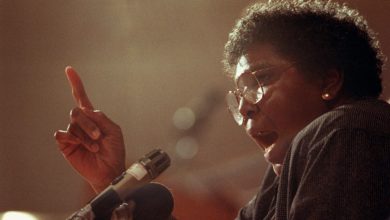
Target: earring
326 96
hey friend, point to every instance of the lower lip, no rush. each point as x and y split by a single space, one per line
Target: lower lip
266 139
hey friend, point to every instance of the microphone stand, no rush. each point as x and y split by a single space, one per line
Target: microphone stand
118 192
83 214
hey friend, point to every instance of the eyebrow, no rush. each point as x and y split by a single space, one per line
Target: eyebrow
258 66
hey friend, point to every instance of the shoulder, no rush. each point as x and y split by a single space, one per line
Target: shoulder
366 118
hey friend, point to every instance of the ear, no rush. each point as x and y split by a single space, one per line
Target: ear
332 84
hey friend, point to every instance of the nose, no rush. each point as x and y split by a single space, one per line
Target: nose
247 109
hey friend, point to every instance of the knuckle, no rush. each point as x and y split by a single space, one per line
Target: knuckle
116 126
56 134
70 127
113 125
99 113
74 112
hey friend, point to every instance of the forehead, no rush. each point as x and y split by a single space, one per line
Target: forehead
258 56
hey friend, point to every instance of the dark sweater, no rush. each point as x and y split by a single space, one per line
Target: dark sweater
337 167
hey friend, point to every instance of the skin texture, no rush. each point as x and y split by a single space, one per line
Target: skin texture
288 105
92 143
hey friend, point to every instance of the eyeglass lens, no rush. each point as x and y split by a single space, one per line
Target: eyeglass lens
233 105
249 88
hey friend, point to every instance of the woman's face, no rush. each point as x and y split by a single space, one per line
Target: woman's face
289 103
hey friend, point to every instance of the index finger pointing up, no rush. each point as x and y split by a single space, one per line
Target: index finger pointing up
79 94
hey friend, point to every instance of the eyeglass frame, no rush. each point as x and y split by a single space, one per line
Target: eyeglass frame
240 94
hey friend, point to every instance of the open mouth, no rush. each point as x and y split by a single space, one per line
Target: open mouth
265 138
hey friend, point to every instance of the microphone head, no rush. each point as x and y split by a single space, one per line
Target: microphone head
153 201
155 162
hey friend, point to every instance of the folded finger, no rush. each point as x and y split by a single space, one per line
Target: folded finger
105 124
65 137
85 140
67 143
86 124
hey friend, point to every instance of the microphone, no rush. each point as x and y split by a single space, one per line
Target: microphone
123 187
152 202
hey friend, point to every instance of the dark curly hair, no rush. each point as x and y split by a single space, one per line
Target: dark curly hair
318 35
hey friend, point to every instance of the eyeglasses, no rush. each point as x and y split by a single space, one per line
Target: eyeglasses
252 86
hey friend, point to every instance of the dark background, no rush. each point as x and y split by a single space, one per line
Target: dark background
141 61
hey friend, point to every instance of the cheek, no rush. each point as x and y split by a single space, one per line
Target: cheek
281 110
292 108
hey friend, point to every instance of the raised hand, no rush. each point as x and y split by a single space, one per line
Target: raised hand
92 143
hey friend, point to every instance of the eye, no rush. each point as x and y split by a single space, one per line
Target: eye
248 81
265 77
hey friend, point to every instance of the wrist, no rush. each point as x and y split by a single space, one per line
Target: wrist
98 188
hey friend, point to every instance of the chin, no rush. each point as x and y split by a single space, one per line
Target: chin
275 154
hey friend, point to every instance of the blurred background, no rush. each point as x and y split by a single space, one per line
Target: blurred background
153 67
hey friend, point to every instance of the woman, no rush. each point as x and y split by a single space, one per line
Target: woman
308 81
